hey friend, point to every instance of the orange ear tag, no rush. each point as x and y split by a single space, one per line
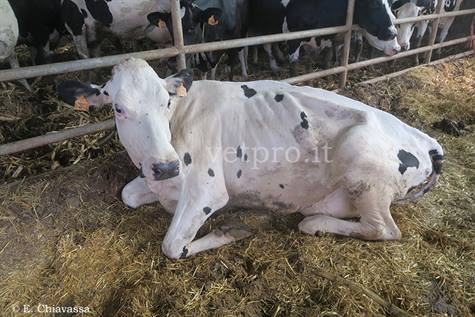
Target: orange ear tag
212 20
161 24
82 104
181 91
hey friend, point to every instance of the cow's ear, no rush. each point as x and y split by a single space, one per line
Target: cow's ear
82 96
159 19
211 16
180 83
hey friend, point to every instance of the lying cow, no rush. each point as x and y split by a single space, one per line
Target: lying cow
202 147
9 33
276 16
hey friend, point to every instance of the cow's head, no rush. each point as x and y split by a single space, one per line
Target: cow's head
376 19
142 103
192 20
409 9
198 25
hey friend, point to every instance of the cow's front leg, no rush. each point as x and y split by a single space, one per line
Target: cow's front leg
137 193
199 200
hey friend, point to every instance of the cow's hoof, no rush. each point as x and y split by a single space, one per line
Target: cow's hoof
235 232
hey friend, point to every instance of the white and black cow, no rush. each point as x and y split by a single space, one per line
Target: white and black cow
263 144
85 20
276 16
9 33
39 22
206 21
412 8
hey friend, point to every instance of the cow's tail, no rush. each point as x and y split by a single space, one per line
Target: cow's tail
416 193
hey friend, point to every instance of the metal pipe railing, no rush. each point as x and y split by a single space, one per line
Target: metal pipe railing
108 61
433 32
180 50
178 34
54 137
347 43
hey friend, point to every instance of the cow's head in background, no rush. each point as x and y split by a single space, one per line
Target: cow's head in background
198 25
142 105
192 19
409 9
376 19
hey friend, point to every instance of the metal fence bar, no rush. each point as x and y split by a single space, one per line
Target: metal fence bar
347 43
54 137
107 61
178 34
378 60
433 32
82 64
27 144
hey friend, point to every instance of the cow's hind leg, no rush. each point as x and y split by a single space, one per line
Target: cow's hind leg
376 222
337 204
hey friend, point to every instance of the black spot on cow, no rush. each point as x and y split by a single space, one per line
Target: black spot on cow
105 93
210 172
248 92
281 186
169 103
245 157
239 151
239 173
279 97
84 13
72 17
100 11
142 175
407 160
207 210
304 123
184 253
187 159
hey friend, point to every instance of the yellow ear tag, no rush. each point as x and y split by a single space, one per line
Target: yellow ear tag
181 91
82 104
212 20
161 24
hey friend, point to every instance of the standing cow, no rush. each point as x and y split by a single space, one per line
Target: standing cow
86 20
207 21
275 16
9 37
202 146
412 8
39 23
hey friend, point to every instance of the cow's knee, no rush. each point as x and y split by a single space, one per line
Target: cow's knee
173 249
129 198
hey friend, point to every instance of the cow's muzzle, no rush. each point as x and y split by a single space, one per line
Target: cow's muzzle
162 171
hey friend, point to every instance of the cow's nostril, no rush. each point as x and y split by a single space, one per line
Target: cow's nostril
163 171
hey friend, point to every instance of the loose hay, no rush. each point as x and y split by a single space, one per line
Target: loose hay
66 239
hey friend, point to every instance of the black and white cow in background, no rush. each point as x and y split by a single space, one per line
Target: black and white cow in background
276 16
85 20
413 8
9 37
262 144
210 21
39 23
